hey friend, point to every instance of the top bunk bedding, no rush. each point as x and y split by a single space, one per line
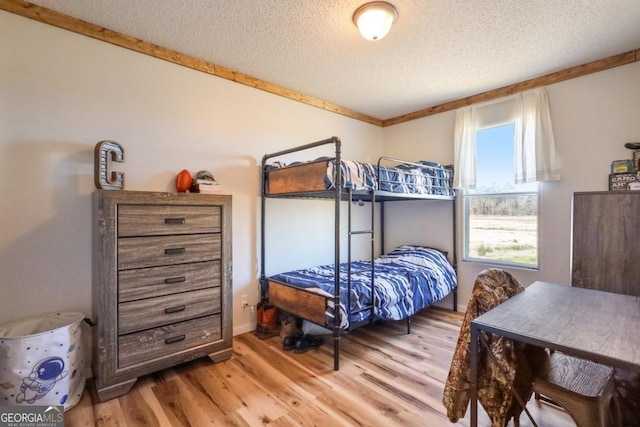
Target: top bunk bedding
316 178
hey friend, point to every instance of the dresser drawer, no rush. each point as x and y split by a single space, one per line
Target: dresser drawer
141 252
158 281
142 220
143 347
152 312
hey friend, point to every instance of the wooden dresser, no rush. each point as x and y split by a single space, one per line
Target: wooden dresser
161 283
606 241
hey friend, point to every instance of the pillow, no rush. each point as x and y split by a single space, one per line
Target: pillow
419 255
415 249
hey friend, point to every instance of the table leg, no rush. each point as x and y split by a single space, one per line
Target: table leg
474 376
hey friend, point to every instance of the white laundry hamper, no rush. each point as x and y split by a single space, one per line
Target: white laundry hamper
42 361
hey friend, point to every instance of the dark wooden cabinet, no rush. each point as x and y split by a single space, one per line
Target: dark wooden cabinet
606 241
161 283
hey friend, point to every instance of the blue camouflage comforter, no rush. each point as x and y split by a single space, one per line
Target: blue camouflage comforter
407 279
421 178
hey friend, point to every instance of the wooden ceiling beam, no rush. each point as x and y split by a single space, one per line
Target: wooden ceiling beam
547 79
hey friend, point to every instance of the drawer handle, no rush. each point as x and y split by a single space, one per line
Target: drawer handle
174 339
171 280
175 309
174 251
174 221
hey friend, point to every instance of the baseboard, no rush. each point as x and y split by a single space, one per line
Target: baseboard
247 327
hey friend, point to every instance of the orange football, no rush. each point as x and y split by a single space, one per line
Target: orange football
183 181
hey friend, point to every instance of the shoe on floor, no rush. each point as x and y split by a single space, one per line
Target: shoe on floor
307 342
289 342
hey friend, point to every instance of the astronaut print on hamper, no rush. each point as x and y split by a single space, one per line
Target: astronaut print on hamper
46 373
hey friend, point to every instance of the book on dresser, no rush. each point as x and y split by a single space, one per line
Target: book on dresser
161 283
206 186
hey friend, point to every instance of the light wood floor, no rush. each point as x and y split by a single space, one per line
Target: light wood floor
386 378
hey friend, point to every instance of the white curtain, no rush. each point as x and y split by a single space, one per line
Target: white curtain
535 157
465 148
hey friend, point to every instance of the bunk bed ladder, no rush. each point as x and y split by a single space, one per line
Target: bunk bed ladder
352 233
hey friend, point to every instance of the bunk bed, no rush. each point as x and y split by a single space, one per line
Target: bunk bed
392 286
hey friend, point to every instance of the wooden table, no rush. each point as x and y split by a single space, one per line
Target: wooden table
595 325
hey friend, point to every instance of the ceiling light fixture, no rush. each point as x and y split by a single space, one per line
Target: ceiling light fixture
374 19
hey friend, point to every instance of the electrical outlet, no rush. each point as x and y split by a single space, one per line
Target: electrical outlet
244 301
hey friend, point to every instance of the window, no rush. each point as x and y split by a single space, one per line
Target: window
496 145
501 218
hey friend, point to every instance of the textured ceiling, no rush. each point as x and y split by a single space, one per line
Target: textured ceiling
438 50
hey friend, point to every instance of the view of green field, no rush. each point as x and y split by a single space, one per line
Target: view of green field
504 238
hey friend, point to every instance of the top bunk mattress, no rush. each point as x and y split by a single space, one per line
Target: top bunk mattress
421 178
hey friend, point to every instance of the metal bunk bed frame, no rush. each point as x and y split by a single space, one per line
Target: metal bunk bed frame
338 195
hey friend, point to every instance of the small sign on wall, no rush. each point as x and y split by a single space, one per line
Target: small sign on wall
622 181
102 178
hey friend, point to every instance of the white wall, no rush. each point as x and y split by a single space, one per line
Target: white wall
62 93
593 116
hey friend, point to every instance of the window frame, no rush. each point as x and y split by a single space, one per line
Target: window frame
468 194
